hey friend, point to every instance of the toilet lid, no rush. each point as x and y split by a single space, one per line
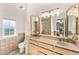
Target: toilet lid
22 45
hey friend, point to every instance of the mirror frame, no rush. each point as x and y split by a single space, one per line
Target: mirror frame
66 21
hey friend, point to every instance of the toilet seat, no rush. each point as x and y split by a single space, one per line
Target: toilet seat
22 45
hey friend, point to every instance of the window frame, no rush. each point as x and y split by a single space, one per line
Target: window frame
3 29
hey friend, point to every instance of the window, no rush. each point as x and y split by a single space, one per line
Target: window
9 28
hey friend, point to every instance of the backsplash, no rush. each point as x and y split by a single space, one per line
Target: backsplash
10 44
46 25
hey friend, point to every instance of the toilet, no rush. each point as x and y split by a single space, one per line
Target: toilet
22 47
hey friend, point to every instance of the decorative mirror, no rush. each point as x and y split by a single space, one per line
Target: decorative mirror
35 25
52 23
72 15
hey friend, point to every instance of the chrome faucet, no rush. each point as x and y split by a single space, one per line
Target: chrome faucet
75 38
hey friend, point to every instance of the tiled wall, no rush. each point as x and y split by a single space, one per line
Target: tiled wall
10 44
46 25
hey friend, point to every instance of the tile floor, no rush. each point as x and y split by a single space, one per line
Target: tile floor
16 52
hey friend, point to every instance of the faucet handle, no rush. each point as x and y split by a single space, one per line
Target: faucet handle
75 38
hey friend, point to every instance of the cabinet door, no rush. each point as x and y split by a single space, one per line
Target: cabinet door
64 51
33 49
33 41
46 46
41 53
45 51
56 53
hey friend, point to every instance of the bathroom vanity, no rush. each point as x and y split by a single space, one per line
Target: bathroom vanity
55 35
51 46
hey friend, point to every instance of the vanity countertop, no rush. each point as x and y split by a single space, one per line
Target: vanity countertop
68 46
54 36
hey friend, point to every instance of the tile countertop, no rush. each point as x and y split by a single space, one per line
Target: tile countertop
68 46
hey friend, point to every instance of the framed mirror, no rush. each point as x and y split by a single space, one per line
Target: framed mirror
72 15
53 23
35 25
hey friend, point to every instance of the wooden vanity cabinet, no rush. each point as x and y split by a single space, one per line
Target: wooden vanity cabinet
33 48
40 47
43 47
45 51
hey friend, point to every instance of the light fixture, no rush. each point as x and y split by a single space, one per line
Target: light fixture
37 19
73 12
57 12
22 6
53 12
45 14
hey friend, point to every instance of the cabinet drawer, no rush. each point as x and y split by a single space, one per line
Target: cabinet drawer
33 50
34 42
41 53
46 46
56 54
45 51
64 51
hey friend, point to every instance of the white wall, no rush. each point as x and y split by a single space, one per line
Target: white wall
31 11
11 11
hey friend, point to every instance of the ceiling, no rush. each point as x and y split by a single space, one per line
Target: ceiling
41 7
48 6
